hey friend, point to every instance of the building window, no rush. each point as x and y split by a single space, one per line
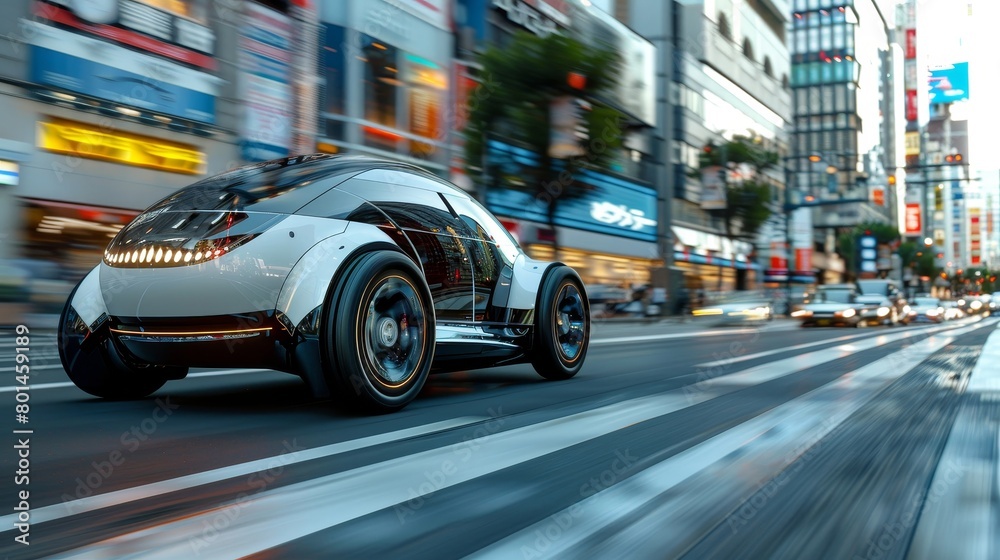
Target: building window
332 59
748 49
784 81
382 85
768 69
724 27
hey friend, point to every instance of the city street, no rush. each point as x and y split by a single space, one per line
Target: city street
674 441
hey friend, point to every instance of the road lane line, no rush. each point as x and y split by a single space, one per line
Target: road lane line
757 449
125 495
885 336
63 384
667 336
323 502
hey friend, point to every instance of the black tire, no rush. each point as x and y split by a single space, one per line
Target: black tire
100 369
562 325
378 336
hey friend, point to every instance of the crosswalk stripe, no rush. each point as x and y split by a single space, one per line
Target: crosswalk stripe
745 448
323 502
905 334
117 497
64 384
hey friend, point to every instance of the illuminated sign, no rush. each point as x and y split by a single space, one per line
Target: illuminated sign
912 219
913 143
527 17
90 141
9 173
619 215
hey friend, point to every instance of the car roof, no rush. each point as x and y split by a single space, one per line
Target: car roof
356 164
836 287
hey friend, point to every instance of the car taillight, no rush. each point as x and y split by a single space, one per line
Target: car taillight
170 239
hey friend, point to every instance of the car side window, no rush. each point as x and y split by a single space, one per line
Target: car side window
411 208
485 226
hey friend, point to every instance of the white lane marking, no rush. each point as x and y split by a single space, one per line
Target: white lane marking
986 375
667 336
320 503
764 445
966 483
884 337
116 497
63 384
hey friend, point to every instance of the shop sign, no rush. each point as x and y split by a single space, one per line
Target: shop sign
95 142
111 19
10 172
520 13
73 62
912 219
620 215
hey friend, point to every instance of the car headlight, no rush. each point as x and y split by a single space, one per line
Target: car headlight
802 313
882 312
167 239
847 313
933 313
706 311
961 303
976 304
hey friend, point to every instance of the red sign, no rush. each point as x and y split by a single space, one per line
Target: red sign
878 196
911 44
912 109
803 260
913 226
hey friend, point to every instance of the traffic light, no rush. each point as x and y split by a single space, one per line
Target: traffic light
953 158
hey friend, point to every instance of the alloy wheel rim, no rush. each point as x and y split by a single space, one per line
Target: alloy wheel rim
393 331
569 323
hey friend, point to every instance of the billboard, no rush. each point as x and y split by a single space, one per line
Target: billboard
81 64
713 188
949 83
265 83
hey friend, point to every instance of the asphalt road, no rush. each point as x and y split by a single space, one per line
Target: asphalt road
674 441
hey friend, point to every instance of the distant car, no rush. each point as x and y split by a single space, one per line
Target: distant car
926 310
738 307
360 275
972 305
874 292
838 305
952 310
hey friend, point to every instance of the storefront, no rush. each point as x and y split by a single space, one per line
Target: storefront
110 120
712 262
386 70
604 224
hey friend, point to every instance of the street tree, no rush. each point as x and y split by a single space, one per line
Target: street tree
522 82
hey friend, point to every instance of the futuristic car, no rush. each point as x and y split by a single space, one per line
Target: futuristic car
360 275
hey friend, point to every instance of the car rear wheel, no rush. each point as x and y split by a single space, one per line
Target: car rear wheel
562 325
379 334
99 368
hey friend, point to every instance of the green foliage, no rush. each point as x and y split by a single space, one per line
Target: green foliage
519 81
747 203
847 243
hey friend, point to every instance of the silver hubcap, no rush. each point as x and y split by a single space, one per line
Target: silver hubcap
570 325
393 331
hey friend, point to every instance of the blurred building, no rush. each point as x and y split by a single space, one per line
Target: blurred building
111 105
723 70
610 233
386 73
846 131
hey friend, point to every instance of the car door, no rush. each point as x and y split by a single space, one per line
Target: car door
422 215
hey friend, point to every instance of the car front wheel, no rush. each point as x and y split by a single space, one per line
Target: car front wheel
562 325
379 334
99 368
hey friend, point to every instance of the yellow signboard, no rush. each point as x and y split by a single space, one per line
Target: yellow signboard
95 142
913 143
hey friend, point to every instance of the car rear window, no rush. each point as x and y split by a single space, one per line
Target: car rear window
280 187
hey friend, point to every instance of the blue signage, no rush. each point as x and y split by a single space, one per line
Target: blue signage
64 71
950 83
610 205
